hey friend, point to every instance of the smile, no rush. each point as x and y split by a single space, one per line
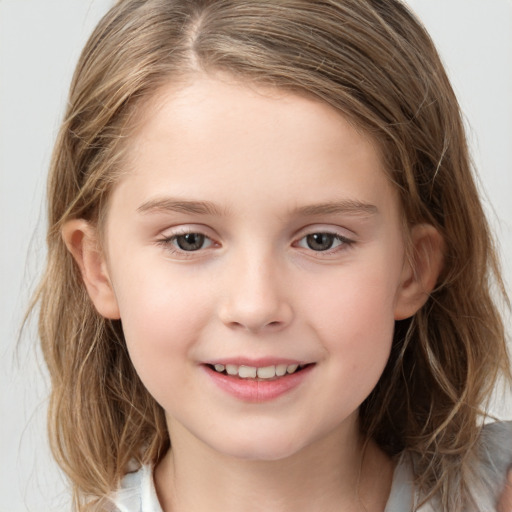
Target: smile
253 372
259 383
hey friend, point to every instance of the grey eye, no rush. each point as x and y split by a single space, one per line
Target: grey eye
190 241
320 241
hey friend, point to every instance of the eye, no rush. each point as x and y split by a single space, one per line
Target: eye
320 242
190 241
186 242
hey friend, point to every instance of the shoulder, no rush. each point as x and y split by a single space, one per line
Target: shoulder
136 492
496 442
495 454
493 458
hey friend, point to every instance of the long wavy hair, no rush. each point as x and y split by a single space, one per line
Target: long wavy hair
372 61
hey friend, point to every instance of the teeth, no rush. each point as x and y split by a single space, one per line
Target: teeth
291 368
267 372
232 369
251 372
247 372
281 370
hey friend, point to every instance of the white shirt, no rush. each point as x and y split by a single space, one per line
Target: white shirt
137 491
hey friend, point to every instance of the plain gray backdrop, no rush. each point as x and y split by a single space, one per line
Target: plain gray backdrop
39 45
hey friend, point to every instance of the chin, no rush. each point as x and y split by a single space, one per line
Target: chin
259 447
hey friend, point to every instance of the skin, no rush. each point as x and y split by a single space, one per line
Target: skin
505 504
257 172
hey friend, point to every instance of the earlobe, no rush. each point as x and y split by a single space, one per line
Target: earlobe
81 241
420 274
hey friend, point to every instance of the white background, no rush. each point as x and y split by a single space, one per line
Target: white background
39 44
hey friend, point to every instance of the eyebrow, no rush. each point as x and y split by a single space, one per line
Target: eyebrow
346 206
179 206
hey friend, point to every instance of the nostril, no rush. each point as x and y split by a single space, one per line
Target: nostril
255 316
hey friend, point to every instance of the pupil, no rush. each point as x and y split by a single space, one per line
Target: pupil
190 241
320 241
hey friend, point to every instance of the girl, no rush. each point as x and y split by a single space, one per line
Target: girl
269 271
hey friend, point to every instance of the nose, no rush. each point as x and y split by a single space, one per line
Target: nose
255 296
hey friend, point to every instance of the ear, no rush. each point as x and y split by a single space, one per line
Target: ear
82 242
421 271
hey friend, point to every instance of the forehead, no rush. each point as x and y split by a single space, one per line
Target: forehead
216 135
225 95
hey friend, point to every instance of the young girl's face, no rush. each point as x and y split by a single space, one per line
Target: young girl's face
255 232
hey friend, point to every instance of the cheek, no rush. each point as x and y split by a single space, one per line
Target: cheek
161 318
364 329
359 344
355 317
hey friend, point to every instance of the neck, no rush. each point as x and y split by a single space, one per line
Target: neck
336 473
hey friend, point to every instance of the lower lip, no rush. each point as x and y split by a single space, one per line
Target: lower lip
257 391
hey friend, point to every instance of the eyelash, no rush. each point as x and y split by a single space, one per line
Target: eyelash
170 242
344 242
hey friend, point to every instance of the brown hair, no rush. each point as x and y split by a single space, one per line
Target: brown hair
372 61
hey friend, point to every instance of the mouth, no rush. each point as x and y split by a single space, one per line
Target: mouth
263 373
257 383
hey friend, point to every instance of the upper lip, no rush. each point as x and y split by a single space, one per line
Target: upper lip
261 362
